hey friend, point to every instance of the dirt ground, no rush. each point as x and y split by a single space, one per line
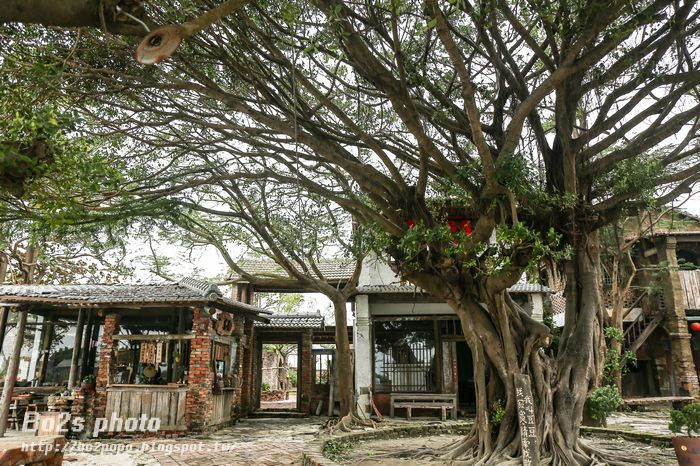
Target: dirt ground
401 452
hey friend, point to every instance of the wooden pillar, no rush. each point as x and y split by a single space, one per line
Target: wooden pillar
76 349
11 375
46 337
4 312
94 341
85 345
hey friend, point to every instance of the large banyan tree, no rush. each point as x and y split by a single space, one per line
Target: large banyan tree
539 121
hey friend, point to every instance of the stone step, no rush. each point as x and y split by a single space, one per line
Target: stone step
277 414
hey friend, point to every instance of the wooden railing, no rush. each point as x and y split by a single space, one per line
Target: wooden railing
166 402
639 330
222 405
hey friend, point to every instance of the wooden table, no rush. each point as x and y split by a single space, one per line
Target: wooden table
46 450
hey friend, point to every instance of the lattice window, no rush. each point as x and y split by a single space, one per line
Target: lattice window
404 356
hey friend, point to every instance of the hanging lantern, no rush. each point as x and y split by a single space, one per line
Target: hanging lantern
466 227
695 326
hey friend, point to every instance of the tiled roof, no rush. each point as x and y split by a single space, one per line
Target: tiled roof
332 269
283 321
186 291
379 289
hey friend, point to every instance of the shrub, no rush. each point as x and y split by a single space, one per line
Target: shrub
292 375
497 413
686 419
603 401
265 387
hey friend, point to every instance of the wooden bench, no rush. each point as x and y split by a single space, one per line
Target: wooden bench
441 401
676 402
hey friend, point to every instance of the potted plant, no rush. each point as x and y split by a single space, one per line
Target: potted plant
686 420
602 401
88 383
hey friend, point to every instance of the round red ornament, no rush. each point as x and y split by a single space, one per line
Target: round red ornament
695 326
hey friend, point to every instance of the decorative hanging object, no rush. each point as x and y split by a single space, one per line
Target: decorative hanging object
695 326
225 324
162 42
149 371
151 352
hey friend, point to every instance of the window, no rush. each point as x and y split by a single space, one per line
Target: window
137 360
404 356
323 365
226 362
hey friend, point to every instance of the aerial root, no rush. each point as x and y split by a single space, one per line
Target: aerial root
348 423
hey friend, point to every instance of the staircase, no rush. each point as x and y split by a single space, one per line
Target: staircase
639 330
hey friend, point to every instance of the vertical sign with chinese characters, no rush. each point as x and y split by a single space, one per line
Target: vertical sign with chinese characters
526 415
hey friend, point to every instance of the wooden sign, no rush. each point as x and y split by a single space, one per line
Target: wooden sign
151 353
526 416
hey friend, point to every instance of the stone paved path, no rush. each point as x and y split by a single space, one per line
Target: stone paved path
250 442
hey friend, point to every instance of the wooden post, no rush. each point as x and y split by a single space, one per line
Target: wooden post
11 375
85 346
94 338
46 337
4 312
180 344
331 388
76 349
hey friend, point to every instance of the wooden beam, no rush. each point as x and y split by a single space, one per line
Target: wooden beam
76 349
11 375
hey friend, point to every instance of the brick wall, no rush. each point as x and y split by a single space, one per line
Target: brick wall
104 365
248 353
200 378
84 406
676 322
304 383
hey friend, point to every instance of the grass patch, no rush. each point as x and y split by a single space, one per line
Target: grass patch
336 450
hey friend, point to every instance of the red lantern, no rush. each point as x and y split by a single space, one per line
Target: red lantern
695 326
466 227
453 226
410 223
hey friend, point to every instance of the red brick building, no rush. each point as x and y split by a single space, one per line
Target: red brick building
171 351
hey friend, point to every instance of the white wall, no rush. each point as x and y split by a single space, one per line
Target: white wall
376 272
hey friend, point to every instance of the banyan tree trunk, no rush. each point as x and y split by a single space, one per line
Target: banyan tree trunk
505 341
343 360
